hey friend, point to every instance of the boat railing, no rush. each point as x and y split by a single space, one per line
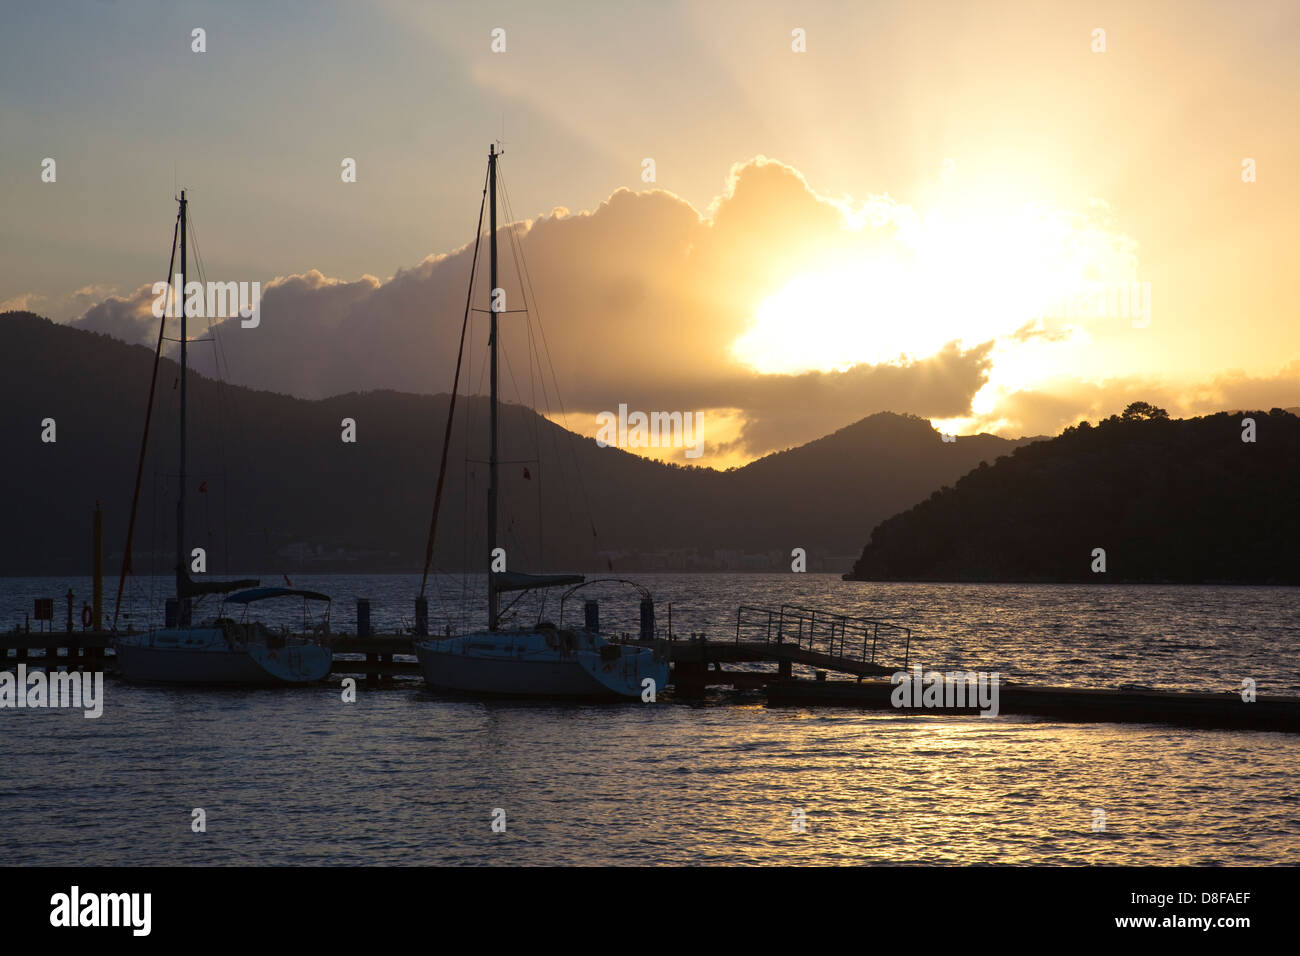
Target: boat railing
824 632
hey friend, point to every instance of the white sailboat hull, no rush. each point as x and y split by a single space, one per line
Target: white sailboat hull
533 664
202 656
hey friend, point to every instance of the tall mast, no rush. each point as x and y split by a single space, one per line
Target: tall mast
492 456
182 615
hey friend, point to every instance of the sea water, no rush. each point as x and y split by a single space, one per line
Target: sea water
402 776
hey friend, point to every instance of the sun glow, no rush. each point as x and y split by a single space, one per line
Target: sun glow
968 278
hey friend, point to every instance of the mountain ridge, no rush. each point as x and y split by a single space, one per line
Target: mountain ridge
294 495
1184 501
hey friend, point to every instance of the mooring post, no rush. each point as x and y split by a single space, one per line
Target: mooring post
422 616
70 610
363 633
85 626
647 620
97 598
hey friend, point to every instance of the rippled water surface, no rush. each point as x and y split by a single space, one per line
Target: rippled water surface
401 777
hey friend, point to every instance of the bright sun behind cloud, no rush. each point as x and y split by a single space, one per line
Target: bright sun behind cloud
965 275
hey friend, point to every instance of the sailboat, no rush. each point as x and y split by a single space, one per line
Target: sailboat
542 660
222 650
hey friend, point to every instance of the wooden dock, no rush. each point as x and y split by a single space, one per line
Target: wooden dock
1120 705
782 636
69 649
785 637
374 658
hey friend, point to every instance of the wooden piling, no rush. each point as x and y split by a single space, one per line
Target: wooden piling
97 600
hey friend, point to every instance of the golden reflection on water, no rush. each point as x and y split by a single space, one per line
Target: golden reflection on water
893 790
402 777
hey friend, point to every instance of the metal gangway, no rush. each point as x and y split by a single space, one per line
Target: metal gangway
851 640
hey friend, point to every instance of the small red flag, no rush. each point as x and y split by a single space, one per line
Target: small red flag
287 582
527 476
203 487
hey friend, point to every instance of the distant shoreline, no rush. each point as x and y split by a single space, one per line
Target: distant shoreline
1125 582
599 573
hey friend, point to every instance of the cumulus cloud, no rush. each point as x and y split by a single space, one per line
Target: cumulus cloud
129 318
1036 329
642 301
1056 403
1237 390
60 308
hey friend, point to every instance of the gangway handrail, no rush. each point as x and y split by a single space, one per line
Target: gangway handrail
791 623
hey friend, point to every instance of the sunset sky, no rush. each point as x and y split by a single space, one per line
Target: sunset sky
892 219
